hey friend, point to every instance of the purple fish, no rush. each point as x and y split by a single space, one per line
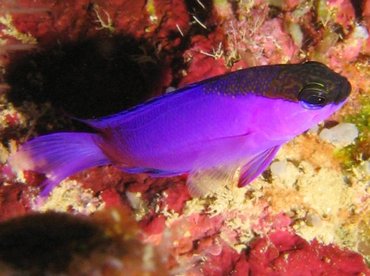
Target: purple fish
208 130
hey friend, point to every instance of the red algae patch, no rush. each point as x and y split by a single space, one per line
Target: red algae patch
14 201
286 253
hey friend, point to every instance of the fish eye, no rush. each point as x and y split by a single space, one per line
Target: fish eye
313 96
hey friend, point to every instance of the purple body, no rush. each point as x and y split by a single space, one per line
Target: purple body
239 119
176 137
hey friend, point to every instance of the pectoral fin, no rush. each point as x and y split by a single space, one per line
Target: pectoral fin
256 166
207 181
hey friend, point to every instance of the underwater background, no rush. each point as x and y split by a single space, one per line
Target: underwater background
308 214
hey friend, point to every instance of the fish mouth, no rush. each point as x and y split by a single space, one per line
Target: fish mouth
344 91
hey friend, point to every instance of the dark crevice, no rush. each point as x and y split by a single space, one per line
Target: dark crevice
89 78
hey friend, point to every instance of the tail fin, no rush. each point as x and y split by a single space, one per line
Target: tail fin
58 156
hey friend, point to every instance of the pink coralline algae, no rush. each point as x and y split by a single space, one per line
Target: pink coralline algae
288 254
203 59
280 253
14 201
50 20
345 13
366 16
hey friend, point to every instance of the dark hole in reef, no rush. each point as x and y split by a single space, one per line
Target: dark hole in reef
202 10
330 123
357 5
274 11
47 242
338 29
88 79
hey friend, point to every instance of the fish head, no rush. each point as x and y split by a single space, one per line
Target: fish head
309 93
313 84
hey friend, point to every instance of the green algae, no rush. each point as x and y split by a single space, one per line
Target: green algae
355 153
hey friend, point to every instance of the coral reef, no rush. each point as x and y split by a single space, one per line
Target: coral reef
308 213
